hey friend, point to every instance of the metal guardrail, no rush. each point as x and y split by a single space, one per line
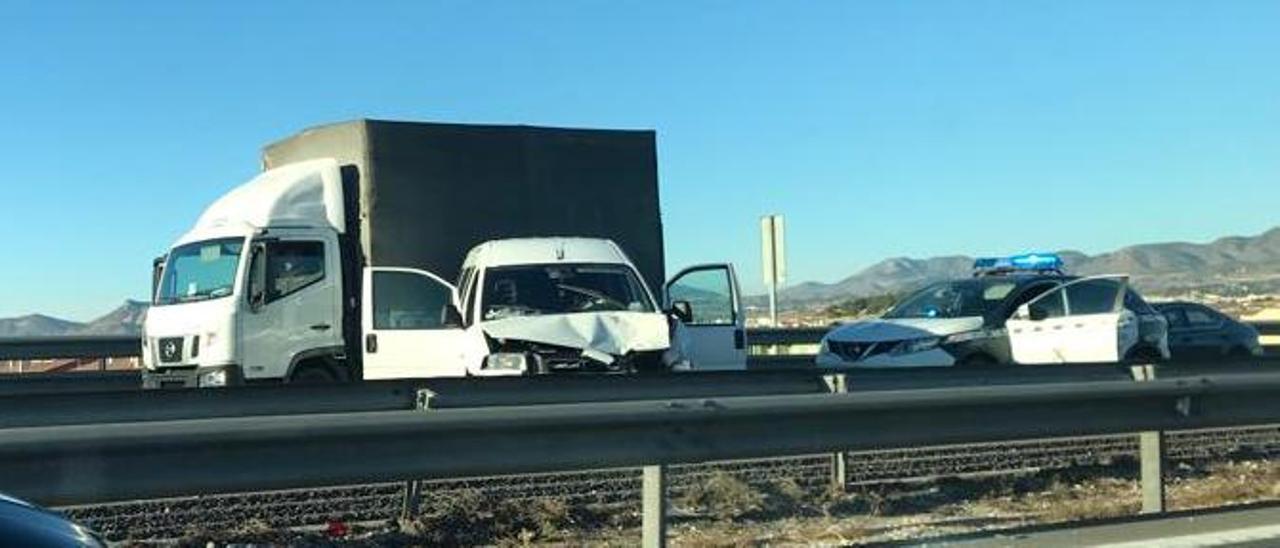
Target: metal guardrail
35 348
126 346
97 462
48 348
120 406
767 336
69 383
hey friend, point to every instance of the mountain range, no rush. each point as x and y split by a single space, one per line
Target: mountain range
1153 268
124 320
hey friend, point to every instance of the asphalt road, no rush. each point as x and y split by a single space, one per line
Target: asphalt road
1253 526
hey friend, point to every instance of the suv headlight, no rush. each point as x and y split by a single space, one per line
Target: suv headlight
212 378
506 361
965 336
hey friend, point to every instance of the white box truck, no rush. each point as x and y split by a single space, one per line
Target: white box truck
335 263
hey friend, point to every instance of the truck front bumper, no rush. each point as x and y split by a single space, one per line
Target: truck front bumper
192 377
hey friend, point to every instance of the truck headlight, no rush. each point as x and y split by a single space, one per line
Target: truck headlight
212 378
506 361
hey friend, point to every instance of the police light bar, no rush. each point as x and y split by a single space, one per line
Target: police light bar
1029 262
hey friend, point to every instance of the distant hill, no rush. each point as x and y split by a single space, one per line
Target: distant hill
36 325
124 320
1152 268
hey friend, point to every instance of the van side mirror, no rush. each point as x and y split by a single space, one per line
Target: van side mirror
682 310
452 316
257 277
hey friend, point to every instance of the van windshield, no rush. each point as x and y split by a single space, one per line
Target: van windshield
529 290
200 271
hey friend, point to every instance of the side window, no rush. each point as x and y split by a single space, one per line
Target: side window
405 300
1177 320
1049 306
1201 318
1135 304
709 293
1092 296
1031 292
292 266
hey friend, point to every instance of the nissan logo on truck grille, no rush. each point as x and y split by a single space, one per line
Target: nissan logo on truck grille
171 350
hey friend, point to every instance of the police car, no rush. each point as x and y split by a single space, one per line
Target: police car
1014 310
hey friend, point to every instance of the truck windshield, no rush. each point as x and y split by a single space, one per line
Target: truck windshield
200 271
529 290
954 299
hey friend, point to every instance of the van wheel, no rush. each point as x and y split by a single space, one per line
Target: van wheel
312 374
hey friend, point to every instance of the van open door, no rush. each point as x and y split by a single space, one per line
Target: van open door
1082 321
412 327
714 333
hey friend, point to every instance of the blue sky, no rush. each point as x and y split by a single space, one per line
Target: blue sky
878 129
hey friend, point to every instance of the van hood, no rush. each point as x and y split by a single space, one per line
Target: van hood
904 329
614 333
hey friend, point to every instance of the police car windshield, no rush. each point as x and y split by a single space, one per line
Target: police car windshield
954 299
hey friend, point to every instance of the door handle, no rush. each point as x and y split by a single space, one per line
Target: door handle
739 339
320 327
371 343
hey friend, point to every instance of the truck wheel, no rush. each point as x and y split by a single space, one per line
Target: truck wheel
314 374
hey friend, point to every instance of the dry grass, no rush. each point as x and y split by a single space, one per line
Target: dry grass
1063 501
1226 484
783 513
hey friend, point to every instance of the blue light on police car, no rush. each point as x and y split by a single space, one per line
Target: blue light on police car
1026 261
1036 261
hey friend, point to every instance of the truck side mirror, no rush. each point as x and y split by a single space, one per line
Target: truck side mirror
452 316
258 277
682 310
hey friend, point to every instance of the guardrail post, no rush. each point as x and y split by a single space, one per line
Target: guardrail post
1151 455
654 511
413 488
838 384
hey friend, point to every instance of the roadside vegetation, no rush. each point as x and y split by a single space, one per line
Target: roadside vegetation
726 510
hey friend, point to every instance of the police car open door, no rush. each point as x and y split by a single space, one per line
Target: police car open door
1082 321
713 336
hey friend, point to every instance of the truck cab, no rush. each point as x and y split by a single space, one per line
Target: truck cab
254 291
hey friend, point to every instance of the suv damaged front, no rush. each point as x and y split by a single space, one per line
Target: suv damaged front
580 317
